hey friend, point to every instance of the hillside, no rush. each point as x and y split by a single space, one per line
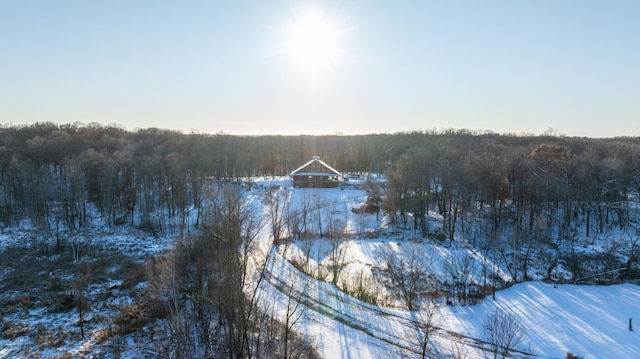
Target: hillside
589 321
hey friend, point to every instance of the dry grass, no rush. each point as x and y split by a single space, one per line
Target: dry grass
33 280
50 338
13 330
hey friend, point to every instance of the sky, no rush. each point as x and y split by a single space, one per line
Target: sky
324 67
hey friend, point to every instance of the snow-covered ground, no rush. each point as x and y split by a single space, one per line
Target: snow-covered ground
40 331
589 321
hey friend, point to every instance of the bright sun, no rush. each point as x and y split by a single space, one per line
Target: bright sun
313 40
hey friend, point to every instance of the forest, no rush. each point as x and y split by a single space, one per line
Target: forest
523 201
50 172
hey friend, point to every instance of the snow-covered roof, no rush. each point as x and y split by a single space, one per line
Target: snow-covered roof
316 159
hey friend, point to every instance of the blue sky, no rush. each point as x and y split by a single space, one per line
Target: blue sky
209 66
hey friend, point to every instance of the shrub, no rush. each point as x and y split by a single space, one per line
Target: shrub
56 284
153 306
363 288
64 302
130 319
134 273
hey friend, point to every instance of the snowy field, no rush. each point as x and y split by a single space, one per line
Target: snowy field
588 321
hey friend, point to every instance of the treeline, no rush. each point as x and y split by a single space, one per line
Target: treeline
590 182
526 203
50 173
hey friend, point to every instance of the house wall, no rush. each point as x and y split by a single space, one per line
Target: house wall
315 182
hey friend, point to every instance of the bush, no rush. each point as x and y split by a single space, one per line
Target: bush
64 302
56 284
364 288
130 319
153 306
134 273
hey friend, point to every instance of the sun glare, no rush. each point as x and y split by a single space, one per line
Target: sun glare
313 40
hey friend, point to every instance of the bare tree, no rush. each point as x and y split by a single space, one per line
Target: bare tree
504 332
457 350
374 196
304 214
459 271
232 228
294 312
317 214
167 284
278 204
408 276
426 326
82 279
337 254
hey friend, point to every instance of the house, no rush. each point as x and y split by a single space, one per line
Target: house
316 174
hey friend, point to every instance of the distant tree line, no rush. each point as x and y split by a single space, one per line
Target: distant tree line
50 173
536 186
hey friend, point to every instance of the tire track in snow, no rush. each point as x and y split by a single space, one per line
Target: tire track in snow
341 316
358 321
